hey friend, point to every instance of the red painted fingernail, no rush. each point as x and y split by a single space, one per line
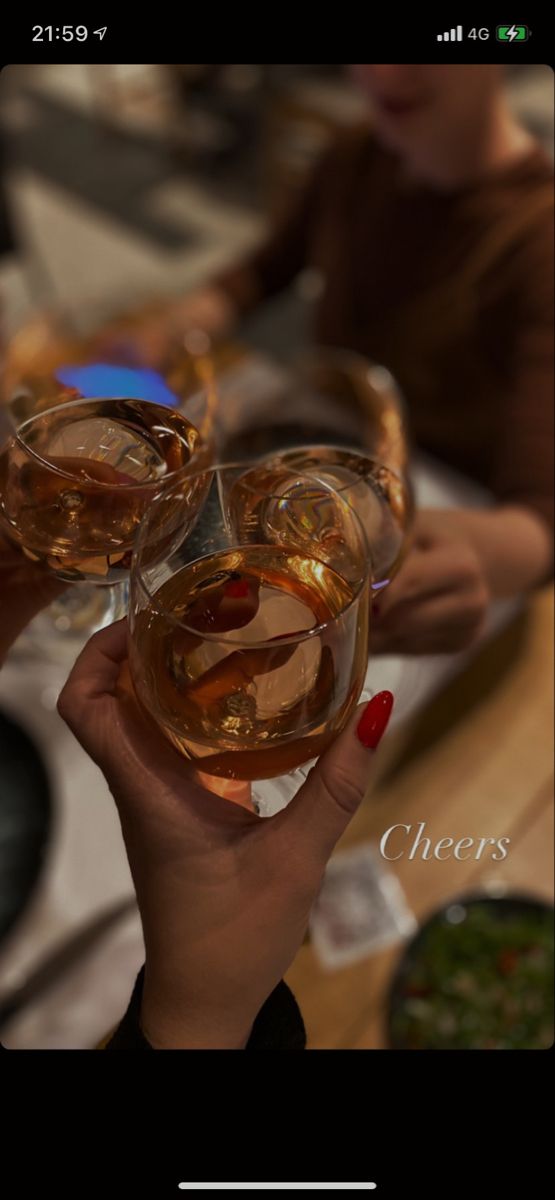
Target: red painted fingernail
373 722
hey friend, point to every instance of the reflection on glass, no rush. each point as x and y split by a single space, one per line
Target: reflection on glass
75 482
249 623
381 498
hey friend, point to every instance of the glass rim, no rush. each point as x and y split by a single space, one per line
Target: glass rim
136 575
341 358
98 483
363 454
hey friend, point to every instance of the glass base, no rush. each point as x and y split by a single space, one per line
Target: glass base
60 631
270 796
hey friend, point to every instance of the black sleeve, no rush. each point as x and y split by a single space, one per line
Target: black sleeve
278 1026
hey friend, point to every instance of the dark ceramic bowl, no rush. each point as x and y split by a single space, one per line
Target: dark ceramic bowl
477 975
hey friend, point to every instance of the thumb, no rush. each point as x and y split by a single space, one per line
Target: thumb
84 702
323 807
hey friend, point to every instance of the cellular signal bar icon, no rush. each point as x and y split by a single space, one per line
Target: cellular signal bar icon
451 35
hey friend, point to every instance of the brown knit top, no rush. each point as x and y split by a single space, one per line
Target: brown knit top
452 291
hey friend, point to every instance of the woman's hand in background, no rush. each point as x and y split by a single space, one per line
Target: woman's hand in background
438 601
460 560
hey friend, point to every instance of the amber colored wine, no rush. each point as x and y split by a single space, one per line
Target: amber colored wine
380 498
76 482
252 659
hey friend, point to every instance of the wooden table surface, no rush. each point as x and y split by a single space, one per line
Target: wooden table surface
478 762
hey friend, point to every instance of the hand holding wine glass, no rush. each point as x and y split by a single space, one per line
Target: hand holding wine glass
224 896
438 602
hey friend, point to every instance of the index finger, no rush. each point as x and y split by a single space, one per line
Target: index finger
424 574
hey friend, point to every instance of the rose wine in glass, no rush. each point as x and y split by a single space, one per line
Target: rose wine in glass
248 635
271 692
76 480
380 496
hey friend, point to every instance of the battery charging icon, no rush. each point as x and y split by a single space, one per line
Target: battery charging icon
512 33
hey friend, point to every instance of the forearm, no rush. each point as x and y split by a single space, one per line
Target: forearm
515 547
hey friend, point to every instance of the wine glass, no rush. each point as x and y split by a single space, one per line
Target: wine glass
248 622
76 480
90 353
381 497
342 418
326 396
358 402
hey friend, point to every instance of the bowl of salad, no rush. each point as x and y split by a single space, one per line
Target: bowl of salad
477 976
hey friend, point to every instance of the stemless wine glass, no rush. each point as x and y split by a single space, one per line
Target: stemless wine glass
248 621
76 480
325 396
342 419
356 399
381 497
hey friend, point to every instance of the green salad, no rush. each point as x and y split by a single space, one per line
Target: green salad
479 976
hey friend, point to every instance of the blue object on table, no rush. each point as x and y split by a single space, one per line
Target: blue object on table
101 381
